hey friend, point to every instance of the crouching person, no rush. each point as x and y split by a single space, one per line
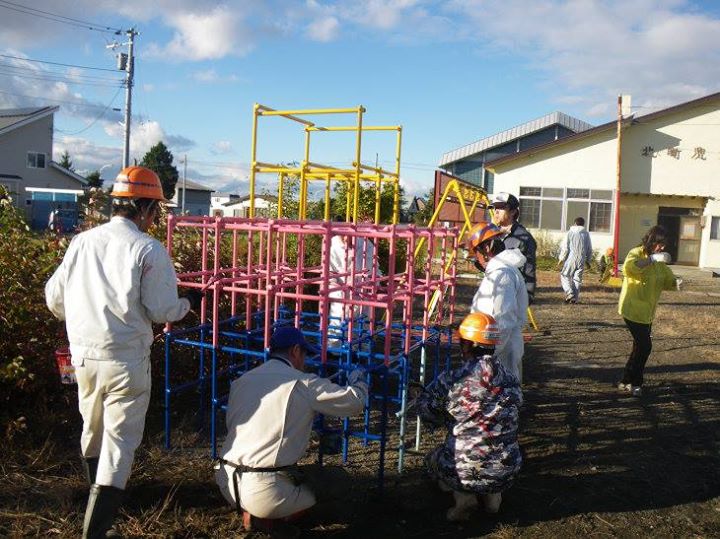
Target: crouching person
269 421
478 404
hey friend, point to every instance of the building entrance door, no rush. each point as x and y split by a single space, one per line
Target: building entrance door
689 241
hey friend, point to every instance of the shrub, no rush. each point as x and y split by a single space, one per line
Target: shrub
547 246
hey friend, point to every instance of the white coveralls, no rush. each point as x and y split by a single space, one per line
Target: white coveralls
575 251
113 282
364 261
269 418
502 294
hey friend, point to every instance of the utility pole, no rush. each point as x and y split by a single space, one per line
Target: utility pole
129 76
623 109
126 62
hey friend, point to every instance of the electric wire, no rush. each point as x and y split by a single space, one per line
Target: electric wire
75 104
27 10
107 107
67 80
33 71
56 63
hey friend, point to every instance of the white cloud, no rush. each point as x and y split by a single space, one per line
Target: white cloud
323 29
221 147
211 76
205 35
600 49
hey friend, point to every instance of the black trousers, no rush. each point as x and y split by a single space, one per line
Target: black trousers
642 346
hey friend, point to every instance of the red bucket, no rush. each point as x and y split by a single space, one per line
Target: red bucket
67 371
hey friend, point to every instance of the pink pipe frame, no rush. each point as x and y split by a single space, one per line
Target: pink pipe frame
264 276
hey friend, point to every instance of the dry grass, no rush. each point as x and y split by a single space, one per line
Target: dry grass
597 463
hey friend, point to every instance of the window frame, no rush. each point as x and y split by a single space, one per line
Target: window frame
35 160
564 225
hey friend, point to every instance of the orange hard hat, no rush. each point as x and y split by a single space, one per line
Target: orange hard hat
482 232
480 328
138 182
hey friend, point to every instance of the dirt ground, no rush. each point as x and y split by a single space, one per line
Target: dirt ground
597 462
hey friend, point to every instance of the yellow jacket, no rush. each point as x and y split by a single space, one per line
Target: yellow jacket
642 287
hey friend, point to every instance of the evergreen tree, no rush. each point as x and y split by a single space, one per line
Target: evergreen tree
94 179
160 160
423 216
65 161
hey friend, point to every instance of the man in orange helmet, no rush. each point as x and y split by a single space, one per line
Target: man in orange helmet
502 292
114 282
478 403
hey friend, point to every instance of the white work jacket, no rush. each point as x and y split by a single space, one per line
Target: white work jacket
502 293
575 250
113 282
271 409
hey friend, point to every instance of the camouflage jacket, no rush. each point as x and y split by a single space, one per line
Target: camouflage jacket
478 404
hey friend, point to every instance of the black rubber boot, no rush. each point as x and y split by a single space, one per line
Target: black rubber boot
90 465
102 506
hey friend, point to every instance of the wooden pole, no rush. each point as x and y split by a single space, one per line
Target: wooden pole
616 226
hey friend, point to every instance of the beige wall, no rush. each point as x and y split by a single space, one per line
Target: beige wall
591 163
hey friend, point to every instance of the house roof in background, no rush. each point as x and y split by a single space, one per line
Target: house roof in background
192 186
515 133
14 118
628 121
245 198
70 173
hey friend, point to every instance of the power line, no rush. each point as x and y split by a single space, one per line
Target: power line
96 119
56 63
51 79
35 71
58 18
54 100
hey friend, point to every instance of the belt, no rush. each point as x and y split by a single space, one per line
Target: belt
241 469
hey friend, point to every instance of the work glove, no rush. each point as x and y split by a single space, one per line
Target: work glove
194 297
661 257
678 283
357 375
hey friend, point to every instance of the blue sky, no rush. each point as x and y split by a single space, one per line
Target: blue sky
448 72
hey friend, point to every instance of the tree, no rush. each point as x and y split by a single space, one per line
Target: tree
366 201
423 216
65 161
160 160
94 179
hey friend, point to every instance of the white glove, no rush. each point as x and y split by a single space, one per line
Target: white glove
678 283
661 257
358 375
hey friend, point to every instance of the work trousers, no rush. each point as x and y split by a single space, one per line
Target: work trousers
642 346
113 397
510 352
265 494
571 280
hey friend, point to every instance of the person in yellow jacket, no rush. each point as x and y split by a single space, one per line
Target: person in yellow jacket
646 276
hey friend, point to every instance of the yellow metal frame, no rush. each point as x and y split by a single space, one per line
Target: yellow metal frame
309 171
476 196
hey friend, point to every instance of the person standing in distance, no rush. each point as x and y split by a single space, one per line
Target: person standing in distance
575 254
506 212
113 283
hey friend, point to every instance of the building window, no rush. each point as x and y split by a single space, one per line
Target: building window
35 160
556 208
715 228
541 207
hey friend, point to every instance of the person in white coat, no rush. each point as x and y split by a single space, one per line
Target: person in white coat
269 420
340 255
112 284
502 293
575 253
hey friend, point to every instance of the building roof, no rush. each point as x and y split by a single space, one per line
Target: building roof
13 118
515 133
192 186
245 198
642 119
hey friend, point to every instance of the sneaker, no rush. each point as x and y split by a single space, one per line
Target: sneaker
636 391
568 299
624 387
